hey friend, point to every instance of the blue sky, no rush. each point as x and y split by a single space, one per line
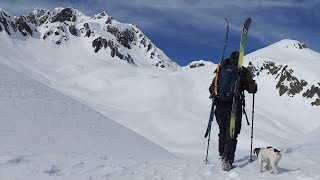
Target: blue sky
188 30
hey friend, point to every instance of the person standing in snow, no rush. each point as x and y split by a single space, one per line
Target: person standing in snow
227 145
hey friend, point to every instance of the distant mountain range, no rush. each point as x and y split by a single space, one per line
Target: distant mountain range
101 33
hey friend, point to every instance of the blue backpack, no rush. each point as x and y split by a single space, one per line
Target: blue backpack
227 76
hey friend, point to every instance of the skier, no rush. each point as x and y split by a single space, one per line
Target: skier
227 144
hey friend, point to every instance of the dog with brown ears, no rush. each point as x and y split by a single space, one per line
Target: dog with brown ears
268 155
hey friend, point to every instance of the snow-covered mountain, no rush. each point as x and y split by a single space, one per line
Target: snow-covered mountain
169 106
199 63
101 34
293 66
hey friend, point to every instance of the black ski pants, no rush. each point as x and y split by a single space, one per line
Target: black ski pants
227 145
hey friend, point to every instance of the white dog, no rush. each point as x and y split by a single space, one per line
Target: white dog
268 155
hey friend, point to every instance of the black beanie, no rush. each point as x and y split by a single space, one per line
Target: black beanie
234 55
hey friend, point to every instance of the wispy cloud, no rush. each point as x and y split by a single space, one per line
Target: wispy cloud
270 18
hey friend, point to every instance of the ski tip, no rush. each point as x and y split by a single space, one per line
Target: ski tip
247 23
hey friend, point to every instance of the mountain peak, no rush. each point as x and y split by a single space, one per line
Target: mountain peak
100 15
67 14
199 63
4 13
290 44
294 67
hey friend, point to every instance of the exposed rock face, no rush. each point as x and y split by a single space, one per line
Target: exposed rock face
302 46
23 26
100 15
316 102
109 20
87 30
125 37
313 91
287 82
38 16
65 15
73 30
100 42
4 21
57 34
199 63
196 65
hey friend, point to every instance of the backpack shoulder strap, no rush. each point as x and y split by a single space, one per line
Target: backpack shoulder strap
216 80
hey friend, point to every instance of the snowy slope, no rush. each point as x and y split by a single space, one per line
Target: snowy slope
45 133
38 150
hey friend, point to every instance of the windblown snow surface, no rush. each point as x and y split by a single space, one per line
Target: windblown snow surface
61 108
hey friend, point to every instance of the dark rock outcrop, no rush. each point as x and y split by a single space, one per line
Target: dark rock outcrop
100 42
311 92
88 32
38 17
196 65
73 30
100 15
125 37
316 102
3 21
150 46
65 15
300 45
48 33
109 20
23 26
295 85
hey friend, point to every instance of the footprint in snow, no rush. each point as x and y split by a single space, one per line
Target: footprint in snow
13 162
53 171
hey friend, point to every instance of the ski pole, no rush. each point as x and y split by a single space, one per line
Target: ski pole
252 128
208 148
213 103
245 113
212 112
225 40
244 105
